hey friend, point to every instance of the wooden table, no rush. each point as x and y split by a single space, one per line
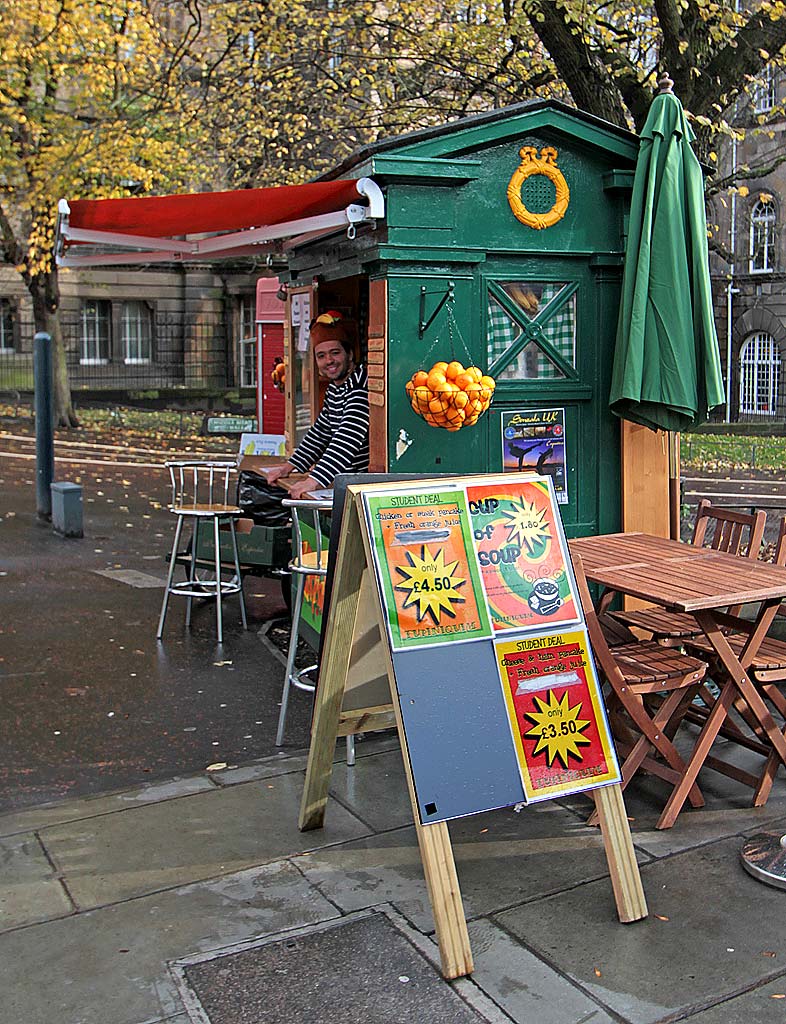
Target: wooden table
703 583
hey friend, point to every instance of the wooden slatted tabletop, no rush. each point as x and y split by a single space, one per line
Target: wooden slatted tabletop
678 576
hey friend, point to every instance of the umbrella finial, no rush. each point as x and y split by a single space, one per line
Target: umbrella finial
665 84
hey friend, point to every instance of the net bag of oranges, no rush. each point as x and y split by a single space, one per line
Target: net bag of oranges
450 396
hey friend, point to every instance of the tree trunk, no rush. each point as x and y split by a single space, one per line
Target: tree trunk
45 292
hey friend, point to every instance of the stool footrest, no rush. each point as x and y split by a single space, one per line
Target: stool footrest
206 588
296 679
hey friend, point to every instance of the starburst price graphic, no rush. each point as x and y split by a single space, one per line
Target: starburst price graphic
558 728
520 550
556 714
429 575
527 525
431 585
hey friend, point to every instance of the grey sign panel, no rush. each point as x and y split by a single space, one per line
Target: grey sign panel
461 752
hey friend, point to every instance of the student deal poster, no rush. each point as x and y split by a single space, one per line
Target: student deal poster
556 714
427 568
534 441
520 548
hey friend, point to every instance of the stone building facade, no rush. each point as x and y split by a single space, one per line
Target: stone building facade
186 327
746 217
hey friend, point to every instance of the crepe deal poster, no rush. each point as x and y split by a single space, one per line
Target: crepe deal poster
426 566
521 552
556 714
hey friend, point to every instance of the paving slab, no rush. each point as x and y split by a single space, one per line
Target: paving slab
503 859
764 1005
525 987
708 936
62 811
375 790
356 971
109 966
30 890
143 849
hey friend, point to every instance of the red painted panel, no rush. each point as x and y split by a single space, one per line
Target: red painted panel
272 412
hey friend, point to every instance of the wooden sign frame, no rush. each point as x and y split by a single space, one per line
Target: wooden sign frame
347 618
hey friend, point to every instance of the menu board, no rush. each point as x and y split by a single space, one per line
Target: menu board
522 554
556 714
431 587
513 708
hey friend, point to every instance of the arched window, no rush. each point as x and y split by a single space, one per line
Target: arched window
762 256
760 373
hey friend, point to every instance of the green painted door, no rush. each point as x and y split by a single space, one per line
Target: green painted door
544 327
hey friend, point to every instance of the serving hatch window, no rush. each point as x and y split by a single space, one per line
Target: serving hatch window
531 330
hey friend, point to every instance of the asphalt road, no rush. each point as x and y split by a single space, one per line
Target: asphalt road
89 700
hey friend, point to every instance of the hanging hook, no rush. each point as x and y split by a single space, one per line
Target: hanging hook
449 296
351 232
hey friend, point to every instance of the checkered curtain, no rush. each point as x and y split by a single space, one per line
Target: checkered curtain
532 363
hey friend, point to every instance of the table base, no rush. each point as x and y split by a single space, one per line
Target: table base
764 857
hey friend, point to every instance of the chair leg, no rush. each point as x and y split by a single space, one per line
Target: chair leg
192 570
170 574
350 751
219 612
239 576
293 638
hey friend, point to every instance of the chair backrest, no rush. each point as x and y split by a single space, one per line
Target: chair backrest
200 482
780 544
307 512
725 529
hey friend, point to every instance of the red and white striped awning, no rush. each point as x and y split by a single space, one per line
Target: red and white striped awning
209 225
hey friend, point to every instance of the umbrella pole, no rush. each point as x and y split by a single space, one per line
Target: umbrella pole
674 485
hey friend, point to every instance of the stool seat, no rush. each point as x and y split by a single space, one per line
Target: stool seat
205 509
311 563
200 494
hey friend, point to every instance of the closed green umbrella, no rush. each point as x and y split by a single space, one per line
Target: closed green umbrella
666 372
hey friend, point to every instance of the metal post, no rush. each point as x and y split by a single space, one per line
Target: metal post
44 423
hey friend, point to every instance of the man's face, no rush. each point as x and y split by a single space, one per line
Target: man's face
333 362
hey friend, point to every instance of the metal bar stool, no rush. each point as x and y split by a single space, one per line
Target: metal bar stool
200 493
305 562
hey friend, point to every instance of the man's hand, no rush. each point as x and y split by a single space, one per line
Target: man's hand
276 472
302 487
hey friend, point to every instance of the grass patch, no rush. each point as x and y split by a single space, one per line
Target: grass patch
726 451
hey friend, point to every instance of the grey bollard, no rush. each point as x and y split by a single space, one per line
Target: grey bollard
67 509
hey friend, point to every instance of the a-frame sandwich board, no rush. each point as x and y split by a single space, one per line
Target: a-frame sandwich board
355 596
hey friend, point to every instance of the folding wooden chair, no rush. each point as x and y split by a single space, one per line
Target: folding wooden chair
720 529
637 673
767 670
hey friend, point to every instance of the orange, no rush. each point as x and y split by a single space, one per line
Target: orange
409 387
486 394
460 399
473 390
441 367
445 389
435 379
454 369
488 382
419 379
422 394
463 379
475 372
454 426
476 405
470 421
435 405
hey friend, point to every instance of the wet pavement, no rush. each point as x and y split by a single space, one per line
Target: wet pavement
143 883
91 702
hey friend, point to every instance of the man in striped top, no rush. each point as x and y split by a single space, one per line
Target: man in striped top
338 440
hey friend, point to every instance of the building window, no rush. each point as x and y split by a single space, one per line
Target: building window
96 331
760 371
247 356
531 330
7 325
762 254
136 324
763 97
